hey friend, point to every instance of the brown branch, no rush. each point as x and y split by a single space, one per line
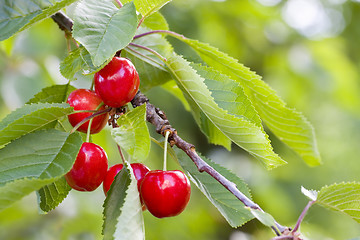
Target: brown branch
63 21
158 118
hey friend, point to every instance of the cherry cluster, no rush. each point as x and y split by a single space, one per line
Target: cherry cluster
163 193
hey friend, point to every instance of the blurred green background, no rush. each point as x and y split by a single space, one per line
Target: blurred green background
307 50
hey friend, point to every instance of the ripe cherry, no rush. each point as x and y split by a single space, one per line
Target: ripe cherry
89 169
165 193
139 171
117 83
84 99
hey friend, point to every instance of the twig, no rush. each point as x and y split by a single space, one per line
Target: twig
302 215
63 21
98 113
149 50
177 35
157 117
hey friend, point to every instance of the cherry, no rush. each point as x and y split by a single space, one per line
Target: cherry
139 171
117 83
89 169
165 193
84 99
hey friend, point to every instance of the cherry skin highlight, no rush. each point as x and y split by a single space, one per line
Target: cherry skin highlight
165 193
139 171
89 169
117 83
84 99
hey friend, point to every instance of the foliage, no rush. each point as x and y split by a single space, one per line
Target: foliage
227 100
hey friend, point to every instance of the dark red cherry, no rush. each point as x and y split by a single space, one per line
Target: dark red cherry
84 99
117 83
139 171
165 193
89 169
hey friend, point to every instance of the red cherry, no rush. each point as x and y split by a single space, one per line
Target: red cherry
139 171
117 83
165 193
84 99
89 169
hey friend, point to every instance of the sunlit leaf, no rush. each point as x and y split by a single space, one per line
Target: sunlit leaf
123 218
148 7
311 194
156 21
79 60
263 217
17 15
228 205
242 132
228 94
53 94
341 197
288 125
30 118
51 195
108 30
132 135
173 88
35 160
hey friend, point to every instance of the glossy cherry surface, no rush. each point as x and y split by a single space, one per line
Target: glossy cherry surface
165 193
89 169
139 171
84 99
117 83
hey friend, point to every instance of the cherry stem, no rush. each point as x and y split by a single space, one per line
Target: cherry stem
90 123
98 113
121 154
171 33
118 2
165 148
142 55
89 130
302 215
149 50
141 21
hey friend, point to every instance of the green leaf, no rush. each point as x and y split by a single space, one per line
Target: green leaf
152 70
79 60
310 194
228 94
290 126
228 205
156 21
342 197
242 132
148 7
133 134
263 217
17 15
52 94
35 160
108 30
123 218
30 118
51 195
174 89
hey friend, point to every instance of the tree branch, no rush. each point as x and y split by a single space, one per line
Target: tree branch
63 21
158 118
